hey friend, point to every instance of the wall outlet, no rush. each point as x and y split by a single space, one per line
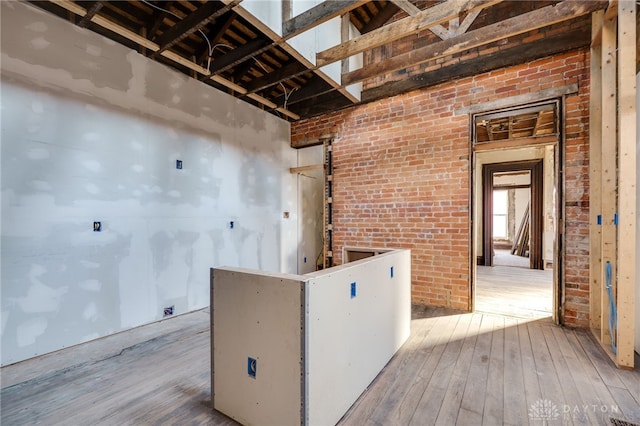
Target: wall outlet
252 367
168 311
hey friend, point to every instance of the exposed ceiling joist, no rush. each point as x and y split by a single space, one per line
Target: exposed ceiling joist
205 14
317 15
549 15
138 39
90 14
438 14
380 18
238 55
278 76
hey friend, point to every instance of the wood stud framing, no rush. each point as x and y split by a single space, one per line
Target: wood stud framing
626 180
612 194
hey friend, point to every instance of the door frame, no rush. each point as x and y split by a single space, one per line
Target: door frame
536 169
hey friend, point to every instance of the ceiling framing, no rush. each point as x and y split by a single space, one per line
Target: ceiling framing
221 44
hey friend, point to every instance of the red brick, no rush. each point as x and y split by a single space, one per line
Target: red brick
401 177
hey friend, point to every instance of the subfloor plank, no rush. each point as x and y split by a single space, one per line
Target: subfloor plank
403 399
532 391
427 410
472 405
515 407
493 412
450 407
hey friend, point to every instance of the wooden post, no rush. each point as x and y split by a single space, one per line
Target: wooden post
595 178
609 165
626 182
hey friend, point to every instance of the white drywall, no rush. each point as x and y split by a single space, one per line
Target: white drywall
260 316
350 339
310 208
346 339
91 131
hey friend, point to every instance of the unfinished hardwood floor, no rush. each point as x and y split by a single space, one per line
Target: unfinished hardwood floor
514 291
465 369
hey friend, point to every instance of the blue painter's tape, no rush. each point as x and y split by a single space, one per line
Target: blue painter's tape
353 290
615 219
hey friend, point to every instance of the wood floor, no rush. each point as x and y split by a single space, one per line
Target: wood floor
514 291
466 369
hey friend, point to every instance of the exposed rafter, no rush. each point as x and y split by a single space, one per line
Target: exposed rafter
539 18
90 14
438 14
317 15
455 28
410 8
206 13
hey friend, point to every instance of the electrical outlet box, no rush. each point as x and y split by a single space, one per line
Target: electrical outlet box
252 367
97 226
353 290
168 311
179 164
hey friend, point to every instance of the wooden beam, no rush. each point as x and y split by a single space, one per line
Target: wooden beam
313 142
238 55
405 5
515 143
301 169
595 179
278 76
516 55
90 14
287 12
157 19
317 15
205 14
315 87
627 169
345 22
381 18
438 14
609 166
540 18
611 11
277 39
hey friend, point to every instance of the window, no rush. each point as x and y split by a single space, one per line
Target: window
500 214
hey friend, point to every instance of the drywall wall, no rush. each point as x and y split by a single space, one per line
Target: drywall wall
311 209
91 131
339 327
358 316
257 346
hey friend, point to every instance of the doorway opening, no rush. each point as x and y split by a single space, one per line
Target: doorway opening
516 211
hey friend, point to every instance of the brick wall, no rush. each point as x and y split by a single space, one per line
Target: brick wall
402 180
